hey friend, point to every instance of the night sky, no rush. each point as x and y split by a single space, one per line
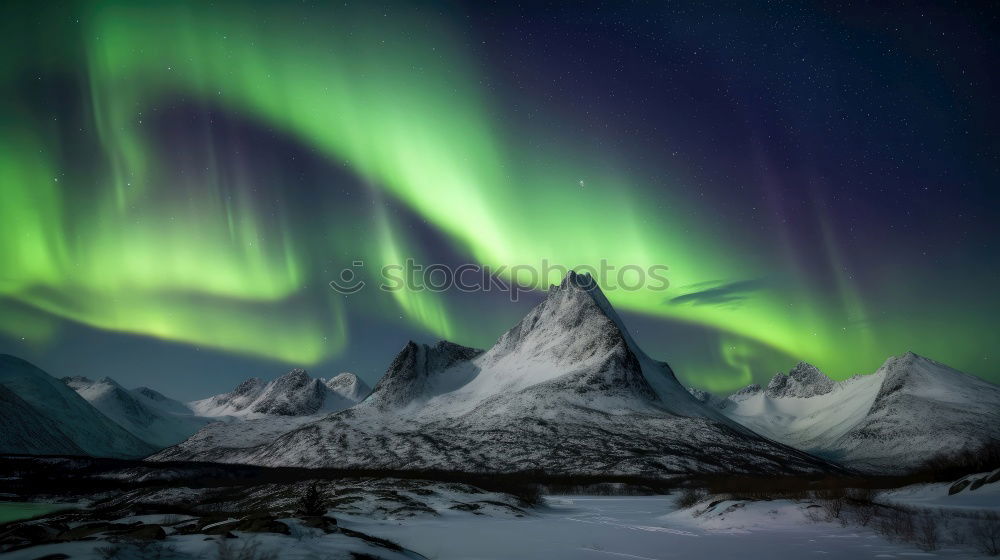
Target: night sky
180 182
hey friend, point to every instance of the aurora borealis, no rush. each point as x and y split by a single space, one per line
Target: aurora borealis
189 177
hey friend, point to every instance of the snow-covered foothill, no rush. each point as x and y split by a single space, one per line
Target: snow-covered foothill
145 413
69 417
888 422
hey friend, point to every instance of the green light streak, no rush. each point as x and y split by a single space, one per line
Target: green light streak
420 307
435 148
399 105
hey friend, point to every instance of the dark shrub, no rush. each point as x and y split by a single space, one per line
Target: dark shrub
862 506
688 498
833 501
926 532
985 533
529 494
312 502
949 466
896 524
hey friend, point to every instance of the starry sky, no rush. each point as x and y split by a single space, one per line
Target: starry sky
181 181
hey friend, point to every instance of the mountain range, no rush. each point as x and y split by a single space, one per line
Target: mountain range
145 413
890 421
46 417
293 394
43 415
566 390
256 412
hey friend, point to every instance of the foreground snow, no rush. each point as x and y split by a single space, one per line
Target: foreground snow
451 521
303 543
981 493
641 528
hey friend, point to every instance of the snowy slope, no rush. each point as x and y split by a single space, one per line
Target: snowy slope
236 402
811 423
979 491
88 429
145 413
257 412
891 421
292 394
923 408
349 386
155 398
565 390
234 433
26 430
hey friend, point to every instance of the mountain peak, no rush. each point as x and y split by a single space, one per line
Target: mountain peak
292 380
574 324
149 393
582 289
911 369
803 380
90 389
294 394
77 382
411 375
572 344
575 280
751 389
348 385
344 375
575 309
249 386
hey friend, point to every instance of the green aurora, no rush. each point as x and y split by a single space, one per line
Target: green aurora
122 242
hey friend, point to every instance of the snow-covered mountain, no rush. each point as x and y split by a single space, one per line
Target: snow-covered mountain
566 390
42 415
257 412
145 413
292 394
157 399
890 421
349 386
26 430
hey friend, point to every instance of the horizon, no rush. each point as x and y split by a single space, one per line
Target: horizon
372 382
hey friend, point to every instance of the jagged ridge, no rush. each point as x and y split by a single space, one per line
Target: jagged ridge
566 390
293 394
890 421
